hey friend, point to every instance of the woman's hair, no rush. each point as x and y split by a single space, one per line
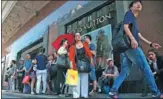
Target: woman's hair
62 41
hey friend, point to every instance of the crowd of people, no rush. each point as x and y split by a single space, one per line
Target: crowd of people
47 73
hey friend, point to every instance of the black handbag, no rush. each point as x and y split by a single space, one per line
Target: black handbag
120 41
63 61
53 70
83 66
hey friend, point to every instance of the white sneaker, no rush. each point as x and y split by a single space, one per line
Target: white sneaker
32 93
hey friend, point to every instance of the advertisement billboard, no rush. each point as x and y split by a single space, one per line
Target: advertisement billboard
102 39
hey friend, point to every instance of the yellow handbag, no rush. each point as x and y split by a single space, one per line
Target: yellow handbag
72 77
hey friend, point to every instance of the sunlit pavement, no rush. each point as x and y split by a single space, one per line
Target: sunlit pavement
20 95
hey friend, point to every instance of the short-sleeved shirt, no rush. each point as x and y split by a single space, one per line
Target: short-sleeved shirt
92 47
27 64
41 62
112 70
131 20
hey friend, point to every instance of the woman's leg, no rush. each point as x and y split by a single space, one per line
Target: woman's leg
32 85
84 85
76 89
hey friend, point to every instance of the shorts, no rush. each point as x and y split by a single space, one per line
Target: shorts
33 74
92 73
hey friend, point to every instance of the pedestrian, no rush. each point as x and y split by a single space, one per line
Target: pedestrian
156 64
28 88
62 64
12 75
80 59
41 72
52 72
33 75
108 76
92 47
20 75
135 55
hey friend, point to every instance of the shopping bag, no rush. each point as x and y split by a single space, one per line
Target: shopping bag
72 77
26 80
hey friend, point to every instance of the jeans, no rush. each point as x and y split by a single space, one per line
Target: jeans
41 74
92 73
137 57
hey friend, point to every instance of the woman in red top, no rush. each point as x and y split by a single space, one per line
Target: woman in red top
80 58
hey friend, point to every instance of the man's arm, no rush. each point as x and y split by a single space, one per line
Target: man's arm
144 39
155 45
134 43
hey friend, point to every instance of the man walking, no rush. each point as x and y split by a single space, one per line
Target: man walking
135 55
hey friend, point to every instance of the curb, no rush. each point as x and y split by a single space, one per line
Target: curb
21 95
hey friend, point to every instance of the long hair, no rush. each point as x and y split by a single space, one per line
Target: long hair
62 42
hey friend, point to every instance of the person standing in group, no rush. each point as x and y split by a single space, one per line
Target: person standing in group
52 73
12 76
78 55
62 64
41 72
135 55
92 47
20 75
27 68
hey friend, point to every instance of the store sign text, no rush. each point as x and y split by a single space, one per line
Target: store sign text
93 23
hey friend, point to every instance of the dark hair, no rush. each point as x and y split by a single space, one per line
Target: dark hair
62 41
89 36
154 51
13 61
42 50
132 3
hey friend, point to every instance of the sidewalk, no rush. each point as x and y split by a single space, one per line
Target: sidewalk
122 96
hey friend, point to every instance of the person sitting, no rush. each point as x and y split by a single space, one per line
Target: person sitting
108 76
156 64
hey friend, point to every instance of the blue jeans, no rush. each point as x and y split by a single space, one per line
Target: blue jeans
137 57
92 73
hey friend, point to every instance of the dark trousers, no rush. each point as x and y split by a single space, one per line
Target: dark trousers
60 78
20 85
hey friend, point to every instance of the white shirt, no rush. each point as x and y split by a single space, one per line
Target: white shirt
62 51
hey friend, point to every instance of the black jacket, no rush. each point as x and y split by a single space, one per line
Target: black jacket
160 67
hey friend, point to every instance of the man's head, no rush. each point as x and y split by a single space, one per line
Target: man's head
110 62
88 38
42 51
152 54
77 37
136 5
28 56
21 61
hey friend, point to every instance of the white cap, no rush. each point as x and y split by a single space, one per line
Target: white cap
109 59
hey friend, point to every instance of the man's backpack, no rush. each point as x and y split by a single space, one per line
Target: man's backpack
120 41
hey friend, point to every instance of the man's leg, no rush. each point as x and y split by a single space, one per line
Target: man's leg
38 75
125 68
137 57
44 77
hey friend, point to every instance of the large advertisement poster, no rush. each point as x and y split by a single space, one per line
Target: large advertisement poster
102 39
